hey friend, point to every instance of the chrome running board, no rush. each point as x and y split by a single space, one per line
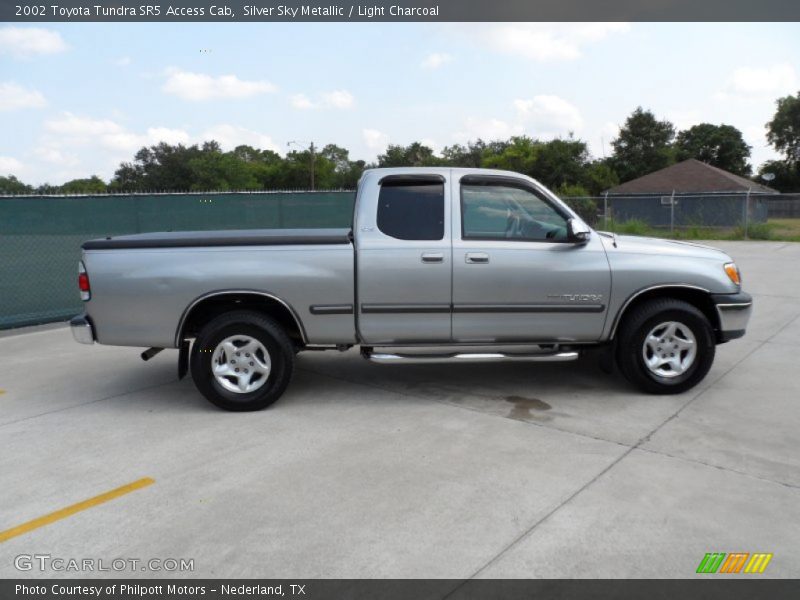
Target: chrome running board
386 358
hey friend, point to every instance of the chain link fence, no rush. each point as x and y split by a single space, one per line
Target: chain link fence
40 236
741 216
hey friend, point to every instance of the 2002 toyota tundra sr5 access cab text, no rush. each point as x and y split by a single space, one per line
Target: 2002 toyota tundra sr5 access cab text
441 265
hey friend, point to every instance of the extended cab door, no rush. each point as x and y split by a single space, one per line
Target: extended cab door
515 276
403 257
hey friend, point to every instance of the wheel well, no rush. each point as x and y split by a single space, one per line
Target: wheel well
211 307
697 298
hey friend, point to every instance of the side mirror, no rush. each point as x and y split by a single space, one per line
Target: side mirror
577 232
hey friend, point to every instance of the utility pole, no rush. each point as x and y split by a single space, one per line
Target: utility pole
313 150
313 161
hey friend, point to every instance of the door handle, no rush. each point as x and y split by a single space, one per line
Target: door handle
476 258
432 257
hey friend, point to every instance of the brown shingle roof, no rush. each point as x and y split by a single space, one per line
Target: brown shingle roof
690 176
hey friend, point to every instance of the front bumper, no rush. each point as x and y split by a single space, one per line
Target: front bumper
734 312
82 329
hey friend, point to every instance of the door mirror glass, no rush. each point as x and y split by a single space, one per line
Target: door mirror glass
577 231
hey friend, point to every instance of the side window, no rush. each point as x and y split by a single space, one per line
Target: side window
505 212
409 210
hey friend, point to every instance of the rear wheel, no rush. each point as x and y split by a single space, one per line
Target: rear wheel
242 361
665 346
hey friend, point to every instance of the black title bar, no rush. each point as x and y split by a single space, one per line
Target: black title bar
399 10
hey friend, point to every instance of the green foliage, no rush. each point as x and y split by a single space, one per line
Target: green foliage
598 177
787 175
644 145
719 145
12 185
783 131
413 155
755 231
92 185
632 227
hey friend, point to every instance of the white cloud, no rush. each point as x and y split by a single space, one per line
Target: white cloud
341 99
123 61
549 115
55 156
74 130
23 42
199 86
542 42
10 166
230 136
375 140
765 81
13 96
302 102
72 125
436 60
487 130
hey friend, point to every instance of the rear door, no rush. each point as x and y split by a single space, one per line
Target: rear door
516 277
404 258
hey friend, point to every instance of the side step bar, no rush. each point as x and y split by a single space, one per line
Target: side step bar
466 357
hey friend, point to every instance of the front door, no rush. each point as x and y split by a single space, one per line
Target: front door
404 260
516 277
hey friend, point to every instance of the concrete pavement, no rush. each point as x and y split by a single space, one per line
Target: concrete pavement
363 470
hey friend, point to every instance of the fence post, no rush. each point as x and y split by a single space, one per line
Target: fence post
746 212
672 213
605 211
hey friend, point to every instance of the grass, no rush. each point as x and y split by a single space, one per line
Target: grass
781 230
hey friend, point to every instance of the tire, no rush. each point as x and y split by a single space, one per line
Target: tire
252 379
647 337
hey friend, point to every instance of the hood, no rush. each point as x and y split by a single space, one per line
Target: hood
634 244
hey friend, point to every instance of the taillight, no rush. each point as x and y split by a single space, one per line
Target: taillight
83 282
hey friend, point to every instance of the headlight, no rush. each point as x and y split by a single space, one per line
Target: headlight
733 273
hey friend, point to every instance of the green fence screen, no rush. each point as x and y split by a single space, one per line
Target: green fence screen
41 236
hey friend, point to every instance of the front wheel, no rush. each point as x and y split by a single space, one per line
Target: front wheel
242 361
665 346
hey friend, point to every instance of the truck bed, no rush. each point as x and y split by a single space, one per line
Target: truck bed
143 284
247 237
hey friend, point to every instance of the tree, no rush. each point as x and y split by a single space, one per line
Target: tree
643 145
12 185
599 176
787 175
413 155
471 155
160 168
92 185
783 131
718 145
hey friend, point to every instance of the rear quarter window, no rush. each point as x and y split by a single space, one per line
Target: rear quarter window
412 210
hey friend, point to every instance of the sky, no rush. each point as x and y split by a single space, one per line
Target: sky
76 99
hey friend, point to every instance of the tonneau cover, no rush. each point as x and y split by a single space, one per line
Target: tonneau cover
239 237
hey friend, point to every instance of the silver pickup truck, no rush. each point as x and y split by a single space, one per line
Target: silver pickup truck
441 265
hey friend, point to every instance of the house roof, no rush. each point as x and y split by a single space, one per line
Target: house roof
690 176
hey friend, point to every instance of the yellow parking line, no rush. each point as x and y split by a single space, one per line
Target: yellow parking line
75 508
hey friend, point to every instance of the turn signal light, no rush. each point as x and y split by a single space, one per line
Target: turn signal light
733 273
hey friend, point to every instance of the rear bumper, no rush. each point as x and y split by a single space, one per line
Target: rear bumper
734 312
82 329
